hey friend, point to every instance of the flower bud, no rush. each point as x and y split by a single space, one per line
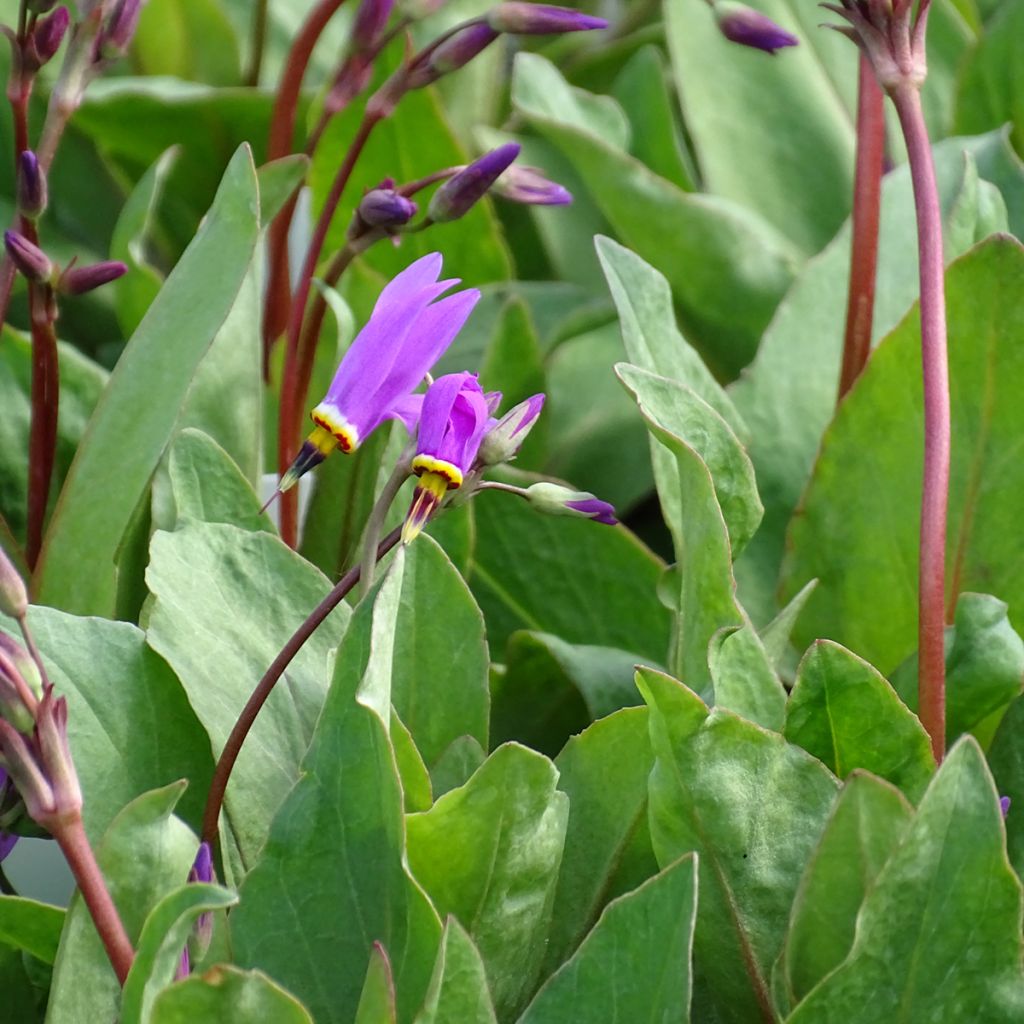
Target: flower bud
504 439
13 595
46 38
540 19
28 258
19 757
370 20
386 208
19 677
556 500
31 186
202 871
742 24
1004 805
521 184
55 753
454 53
116 35
458 194
79 280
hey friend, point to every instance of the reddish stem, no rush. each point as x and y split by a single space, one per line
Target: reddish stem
229 755
935 371
43 432
293 396
867 193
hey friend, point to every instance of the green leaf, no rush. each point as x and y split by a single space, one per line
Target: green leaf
24 998
1006 759
337 849
743 678
209 300
31 926
551 690
227 994
860 491
727 266
847 715
225 601
489 853
199 480
867 823
607 851
984 664
454 767
636 960
129 724
412 772
752 806
164 936
189 39
377 1000
938 935
458 992
146 853
278 180
775 636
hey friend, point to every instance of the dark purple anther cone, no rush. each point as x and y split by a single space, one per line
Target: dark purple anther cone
452 54
79 280
742 24
28 258
31 186
48 35
458 194
385 208
370 21
540 19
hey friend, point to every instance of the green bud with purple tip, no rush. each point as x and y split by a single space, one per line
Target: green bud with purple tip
18 673
454 53
460 193
540 19
30 260
556 500
13 595
505 437
743 25
31 186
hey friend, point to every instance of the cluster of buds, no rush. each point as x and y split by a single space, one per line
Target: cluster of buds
891 35
37 267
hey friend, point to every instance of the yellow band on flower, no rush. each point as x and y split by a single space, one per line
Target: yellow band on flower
426 464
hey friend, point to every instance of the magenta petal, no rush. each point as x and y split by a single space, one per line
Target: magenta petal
595 509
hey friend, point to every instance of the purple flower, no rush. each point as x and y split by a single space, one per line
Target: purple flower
452 425
562 501
505 437
742 24
459 193
1004 805
540 19
407 333
27 257
386 208
521 184
79 280
31 186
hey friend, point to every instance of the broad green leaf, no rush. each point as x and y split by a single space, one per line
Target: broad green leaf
129 723
164 935
862 492
743 677
278 180
189 39
938 936
775 636
412 772
146 853
24 1000
583 582
81 384
752 806
847 715
31 926
984 664
377 1000
1006 759
225 601
607 851
209 298
742 113
488 853
787 411
867 823
458 992
199 480
727 266
454 767
636 959
227 994
133 232
551 690
337 849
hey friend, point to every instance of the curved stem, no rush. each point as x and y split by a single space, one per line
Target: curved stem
867 194
259 42
43 430
935 372
229 755
375 522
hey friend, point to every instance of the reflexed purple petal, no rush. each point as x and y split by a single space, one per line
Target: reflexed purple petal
595 509
417 275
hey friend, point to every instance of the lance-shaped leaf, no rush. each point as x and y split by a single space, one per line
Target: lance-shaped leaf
31 926
1006 759
848 716
752 806
938 936
458 992
336 848
377 1000
489 853
210 302
228 994
635 960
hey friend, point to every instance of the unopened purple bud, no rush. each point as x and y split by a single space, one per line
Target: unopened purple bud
742 24
28 258
31 186
562 501
454 53
202 871
1004 805
52 737
370 21
385 208
13 595
521 184
540 19
118 32
504 439
47 36
459 193
79 280
19 754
